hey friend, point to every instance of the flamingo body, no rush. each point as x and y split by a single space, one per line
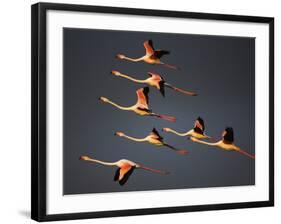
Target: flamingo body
196 132
155 80
151 56
125 168
141 107
227 143
153 138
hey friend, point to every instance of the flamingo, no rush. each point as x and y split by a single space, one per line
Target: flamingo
141 107
155 80
151 56
125 168
226 143
197 131
153 138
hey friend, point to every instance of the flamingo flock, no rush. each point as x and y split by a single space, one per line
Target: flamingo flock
126 167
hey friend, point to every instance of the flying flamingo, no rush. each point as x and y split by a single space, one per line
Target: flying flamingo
153 138
155 80
196 132
226 143
141 107
151 56
125 168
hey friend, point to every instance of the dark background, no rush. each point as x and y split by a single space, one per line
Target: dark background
220 69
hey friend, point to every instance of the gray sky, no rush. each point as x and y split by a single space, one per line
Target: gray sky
220 69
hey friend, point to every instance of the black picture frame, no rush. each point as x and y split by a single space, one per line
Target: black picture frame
38 70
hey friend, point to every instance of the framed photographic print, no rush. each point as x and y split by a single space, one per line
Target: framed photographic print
138 111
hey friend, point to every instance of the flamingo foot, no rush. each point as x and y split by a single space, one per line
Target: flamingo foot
182 151
167 118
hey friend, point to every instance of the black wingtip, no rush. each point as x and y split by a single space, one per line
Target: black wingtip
146 90
229 134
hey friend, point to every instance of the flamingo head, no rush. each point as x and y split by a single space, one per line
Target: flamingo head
104 99
115 73
86 158
120 134
120 56
166 129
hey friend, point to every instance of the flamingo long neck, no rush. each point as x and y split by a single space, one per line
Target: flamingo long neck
133 59
102 162
135 139
132 79
178 133
119 107
208 143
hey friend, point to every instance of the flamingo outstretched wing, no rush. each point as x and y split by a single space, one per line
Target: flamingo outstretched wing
156 134
228 135
148 45
143 98
199 125
160 80
160 53
122 174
